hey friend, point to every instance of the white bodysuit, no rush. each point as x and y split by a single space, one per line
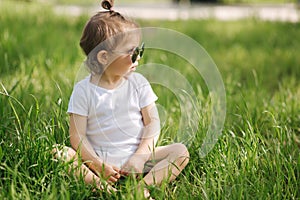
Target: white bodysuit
114 120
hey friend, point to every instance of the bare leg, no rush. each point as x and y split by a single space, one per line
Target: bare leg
67 154
172 160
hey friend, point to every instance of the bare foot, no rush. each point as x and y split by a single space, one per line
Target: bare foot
146 192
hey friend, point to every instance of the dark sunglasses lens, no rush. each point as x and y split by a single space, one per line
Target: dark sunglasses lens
142 52
135 55
137 52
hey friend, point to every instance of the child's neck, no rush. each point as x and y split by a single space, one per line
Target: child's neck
107 82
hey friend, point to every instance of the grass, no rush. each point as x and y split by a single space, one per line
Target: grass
257 156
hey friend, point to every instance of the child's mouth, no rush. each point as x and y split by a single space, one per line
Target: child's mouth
133 67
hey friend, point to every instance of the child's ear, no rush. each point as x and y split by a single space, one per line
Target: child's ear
102 57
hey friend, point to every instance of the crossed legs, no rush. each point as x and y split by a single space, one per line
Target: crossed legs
169 160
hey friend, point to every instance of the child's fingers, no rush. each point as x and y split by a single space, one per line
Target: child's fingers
117 169
112 173
112 179
116 175
124 172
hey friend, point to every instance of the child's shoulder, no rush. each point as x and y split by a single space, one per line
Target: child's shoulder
82 84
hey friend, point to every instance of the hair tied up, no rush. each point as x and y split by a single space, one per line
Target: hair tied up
107 4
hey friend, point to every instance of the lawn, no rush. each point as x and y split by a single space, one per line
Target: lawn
256 157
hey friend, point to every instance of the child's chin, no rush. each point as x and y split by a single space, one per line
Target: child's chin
128 73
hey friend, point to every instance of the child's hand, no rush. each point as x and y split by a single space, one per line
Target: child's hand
112 173
134 165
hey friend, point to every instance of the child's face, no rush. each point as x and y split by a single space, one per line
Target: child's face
122 63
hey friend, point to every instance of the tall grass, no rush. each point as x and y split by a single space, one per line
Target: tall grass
257 156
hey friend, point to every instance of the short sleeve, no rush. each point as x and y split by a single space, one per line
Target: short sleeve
145 91
78 103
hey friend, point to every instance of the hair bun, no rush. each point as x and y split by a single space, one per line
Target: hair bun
107 4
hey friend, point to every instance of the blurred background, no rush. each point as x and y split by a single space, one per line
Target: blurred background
172 1
274 10
88 2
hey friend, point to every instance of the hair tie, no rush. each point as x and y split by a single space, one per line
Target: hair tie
107 4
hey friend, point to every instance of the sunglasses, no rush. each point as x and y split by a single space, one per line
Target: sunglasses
138 51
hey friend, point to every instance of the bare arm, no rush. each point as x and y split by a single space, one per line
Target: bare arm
151 130
146 147
80 142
